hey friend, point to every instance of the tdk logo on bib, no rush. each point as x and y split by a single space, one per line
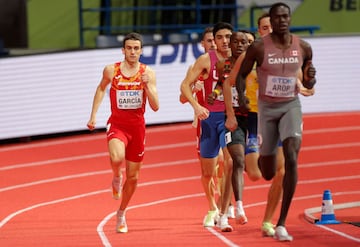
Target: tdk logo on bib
129 93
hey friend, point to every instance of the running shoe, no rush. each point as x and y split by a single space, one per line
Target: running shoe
240 216
231 212
121 225
223 224
117 187
210 218
281 234
267 229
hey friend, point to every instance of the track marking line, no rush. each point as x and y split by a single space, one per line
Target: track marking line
104 221
95 136
159 147
182 162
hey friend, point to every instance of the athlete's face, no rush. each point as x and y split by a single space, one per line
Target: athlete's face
208 42
132 50
239 43
250 38
222 40
264 26
280 20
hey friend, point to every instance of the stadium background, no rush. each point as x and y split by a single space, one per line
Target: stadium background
58 78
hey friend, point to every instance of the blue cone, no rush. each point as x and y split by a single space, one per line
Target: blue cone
327 210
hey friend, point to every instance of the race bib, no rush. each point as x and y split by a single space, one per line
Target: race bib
235 97
284 87
129 99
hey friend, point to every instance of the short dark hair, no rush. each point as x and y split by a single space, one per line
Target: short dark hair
262 17
133 36
277 5
249 32
206 30
222 25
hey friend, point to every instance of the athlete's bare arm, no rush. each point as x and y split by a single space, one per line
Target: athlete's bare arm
182 98
231 122
254 54
200 65
149 80
308 68
99 94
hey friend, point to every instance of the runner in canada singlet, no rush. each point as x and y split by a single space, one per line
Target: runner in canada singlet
278 94
277 75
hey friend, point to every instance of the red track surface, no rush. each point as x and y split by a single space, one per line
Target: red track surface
56 192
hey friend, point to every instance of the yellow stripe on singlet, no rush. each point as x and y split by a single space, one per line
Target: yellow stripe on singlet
252 87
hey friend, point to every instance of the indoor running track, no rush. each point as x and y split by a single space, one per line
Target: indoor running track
56 192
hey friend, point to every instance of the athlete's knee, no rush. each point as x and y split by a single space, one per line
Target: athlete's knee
280 167
208 174
291 148
280 171
291 145
267 165
254 175
239 161
228 165
132 179
116 157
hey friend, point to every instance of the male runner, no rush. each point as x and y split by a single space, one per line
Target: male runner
131 85
280 58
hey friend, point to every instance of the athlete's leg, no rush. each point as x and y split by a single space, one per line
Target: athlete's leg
252 148
291 146
274 195
237 154
275 190
208 166
251 158
130 185
226 192
251 166
220 181
117 155
132 175
269 137
226 183
267 165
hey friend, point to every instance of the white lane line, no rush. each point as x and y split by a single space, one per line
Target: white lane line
91 156
103 222
227 242
86 137
159 147
340 233
93 137
331 146
165 164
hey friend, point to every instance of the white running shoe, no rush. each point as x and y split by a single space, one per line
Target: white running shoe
210 218
117 187
223 224
231 212
281 234
240 216
121 225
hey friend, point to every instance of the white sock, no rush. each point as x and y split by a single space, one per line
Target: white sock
239 204
121 213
